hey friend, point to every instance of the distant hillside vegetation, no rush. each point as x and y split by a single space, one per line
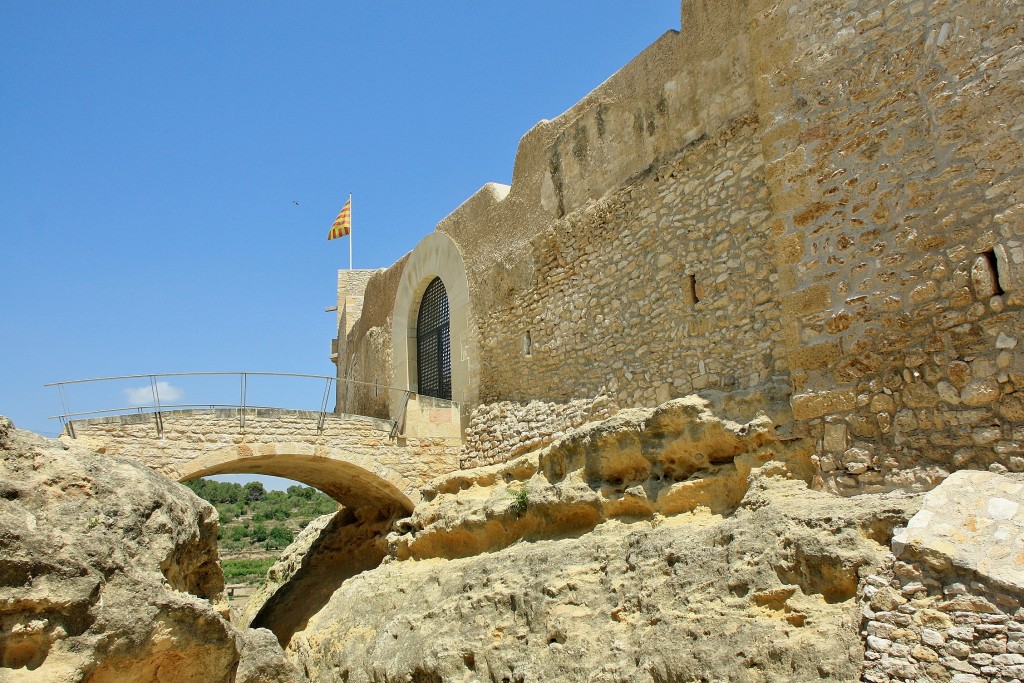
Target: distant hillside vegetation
255 523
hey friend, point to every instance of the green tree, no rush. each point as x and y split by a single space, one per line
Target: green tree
279 537
304 492
259 532
254 491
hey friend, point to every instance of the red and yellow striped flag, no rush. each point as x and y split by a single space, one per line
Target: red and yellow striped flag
343 223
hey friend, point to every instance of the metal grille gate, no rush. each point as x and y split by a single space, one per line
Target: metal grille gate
433 343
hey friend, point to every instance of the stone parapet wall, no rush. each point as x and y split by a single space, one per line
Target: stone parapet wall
660 289
498 432
284 443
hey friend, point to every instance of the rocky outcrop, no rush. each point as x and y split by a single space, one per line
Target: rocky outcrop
658 545
765 594
331 549
108 573
640 463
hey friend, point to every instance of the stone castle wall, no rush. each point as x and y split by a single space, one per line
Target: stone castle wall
365 352
896 179
498 432
627 294
825 196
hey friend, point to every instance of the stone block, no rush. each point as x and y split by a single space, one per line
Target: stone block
813 299
1010 263
790 248
980 392
787 167
920 395
965 522
834 440
815 355
817 404
983 277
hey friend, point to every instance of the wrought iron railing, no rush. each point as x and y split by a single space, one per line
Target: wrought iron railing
158 406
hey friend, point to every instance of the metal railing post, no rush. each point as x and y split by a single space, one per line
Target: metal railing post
323 406
241 409
400 417
66 424
156 401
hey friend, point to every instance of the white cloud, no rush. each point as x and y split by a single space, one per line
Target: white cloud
143 396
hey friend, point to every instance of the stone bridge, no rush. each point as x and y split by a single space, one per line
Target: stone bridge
353 459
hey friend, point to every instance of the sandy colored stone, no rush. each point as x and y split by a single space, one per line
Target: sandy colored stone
980 392
107 573
972 521
669 598
330 550
806 406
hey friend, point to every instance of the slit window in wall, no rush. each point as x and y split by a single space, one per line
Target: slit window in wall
527 344
993 265
690 290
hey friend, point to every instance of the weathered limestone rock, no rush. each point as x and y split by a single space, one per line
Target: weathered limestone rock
973 522
330 550
766 594
637 464
106 573
261 659
946 605
656 545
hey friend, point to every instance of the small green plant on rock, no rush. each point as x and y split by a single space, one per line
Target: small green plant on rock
520 499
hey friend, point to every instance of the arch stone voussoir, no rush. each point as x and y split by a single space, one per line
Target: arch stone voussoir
353 479
352 459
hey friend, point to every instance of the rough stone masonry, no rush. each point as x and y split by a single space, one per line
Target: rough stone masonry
815 209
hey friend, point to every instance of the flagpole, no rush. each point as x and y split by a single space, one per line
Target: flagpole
350 233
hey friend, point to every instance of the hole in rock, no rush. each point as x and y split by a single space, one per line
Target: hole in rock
24 651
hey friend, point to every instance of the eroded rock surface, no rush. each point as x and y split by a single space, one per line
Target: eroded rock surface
658 545
107 572
329 550
766 594
640 463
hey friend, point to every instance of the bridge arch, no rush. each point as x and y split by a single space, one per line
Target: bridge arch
353 459
352 479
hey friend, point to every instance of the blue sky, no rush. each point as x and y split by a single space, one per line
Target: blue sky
169 171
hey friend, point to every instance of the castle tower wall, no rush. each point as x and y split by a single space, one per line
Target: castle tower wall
813 210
